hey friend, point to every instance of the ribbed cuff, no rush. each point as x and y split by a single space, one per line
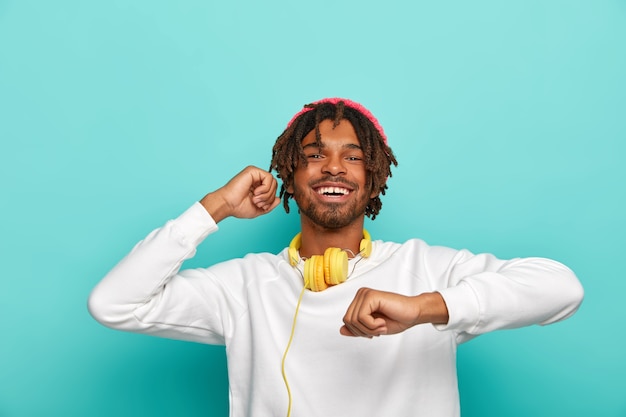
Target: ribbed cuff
463 308
195 224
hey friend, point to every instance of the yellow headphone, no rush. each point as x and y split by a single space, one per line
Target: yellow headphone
322 271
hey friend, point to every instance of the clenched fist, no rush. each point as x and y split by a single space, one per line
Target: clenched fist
374 313
249 194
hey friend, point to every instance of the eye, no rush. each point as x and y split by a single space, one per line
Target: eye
314 156
354 158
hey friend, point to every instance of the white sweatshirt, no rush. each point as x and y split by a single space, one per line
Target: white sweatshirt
248 304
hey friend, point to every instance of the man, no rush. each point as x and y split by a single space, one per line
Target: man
316 351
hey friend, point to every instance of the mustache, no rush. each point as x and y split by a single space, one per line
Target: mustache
335 179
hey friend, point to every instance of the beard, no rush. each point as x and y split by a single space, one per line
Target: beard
328 214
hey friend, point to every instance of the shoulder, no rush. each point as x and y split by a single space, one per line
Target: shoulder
415 247
418 256
258 262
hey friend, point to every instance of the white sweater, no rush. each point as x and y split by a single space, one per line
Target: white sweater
248 304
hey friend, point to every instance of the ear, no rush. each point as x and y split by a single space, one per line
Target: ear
288 188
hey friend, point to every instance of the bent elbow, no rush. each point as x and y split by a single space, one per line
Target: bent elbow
576 292
102 309
97 307
570 292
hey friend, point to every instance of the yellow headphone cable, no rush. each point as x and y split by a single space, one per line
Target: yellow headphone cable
293 329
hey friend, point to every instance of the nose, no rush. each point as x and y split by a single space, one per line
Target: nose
333 165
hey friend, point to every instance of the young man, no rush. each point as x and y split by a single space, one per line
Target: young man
301 327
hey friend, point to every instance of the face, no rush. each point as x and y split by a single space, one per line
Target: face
332 189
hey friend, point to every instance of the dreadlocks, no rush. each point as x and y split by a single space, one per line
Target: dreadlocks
287 152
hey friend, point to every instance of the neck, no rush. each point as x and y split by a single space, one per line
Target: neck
316 239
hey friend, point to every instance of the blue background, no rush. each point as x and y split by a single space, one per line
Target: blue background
508 119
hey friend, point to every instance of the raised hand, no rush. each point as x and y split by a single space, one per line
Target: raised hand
249 194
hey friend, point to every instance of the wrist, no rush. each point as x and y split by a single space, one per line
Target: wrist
432 308
216 206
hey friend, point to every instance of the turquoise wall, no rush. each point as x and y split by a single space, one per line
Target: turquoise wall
508 119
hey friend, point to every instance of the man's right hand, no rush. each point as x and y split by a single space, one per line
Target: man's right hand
248 194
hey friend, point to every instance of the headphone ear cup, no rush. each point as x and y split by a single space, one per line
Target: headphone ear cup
328 269
314 273
335 266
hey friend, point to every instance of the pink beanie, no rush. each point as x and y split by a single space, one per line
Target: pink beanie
348 103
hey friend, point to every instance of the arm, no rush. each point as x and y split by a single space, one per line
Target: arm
475 294
484 293
145 292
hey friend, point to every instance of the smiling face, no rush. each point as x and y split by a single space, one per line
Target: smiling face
332 190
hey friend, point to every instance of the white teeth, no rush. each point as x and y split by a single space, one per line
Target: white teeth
332 190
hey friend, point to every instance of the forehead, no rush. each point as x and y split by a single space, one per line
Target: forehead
342 133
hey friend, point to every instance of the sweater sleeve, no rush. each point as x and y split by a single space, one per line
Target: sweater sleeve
146 293
484 293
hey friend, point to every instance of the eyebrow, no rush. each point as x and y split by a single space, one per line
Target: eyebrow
346 146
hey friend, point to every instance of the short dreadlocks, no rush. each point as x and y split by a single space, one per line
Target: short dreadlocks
287 152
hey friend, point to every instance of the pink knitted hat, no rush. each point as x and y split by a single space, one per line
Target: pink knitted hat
348 103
